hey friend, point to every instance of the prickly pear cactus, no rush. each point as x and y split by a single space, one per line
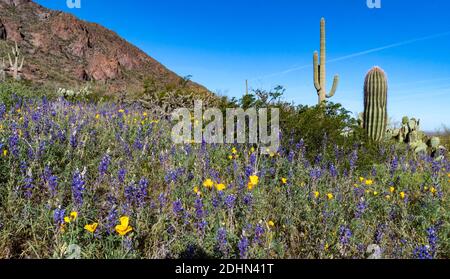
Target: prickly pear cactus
375 104
410 133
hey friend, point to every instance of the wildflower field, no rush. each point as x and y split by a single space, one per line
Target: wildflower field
109 180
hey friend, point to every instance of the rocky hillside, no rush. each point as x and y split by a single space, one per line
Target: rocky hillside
64 51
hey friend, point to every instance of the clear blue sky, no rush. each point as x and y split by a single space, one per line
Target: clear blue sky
223 42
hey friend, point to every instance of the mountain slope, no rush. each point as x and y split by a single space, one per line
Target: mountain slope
65 51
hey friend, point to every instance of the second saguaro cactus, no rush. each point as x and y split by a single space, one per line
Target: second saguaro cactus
375 104
14 64
320 68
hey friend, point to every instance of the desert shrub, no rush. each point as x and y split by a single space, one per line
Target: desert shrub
321 129
11 91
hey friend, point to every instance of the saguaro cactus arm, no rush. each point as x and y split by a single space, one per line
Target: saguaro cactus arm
316 72
334 87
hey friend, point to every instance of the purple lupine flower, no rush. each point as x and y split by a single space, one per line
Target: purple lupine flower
14 144
432 240
121 175
222 240
360 209
173 175
253 159
394 165
111 219
229 201
353 160
78 188
374 172
162 201
104 164
259 232
177 208
333 171
379 232
249 171
53 184
315 174
248 198
291 156
423 253
199 211
2 110
345 235
143 191
28 186
58 216
243 247
201 226
73 140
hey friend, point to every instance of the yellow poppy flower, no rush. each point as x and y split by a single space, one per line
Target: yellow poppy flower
208 183
254 179
197 191
97 116
433 190
74 215
361 179
402 195
144 114
121 111
330 196
220 187
392 189
316 194
284 180
91 227
124 226
5 153
250 186
271 224
234 151
71 218
375 193
369 182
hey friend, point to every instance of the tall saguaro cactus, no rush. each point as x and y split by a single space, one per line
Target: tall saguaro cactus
15 67
375 104
320 69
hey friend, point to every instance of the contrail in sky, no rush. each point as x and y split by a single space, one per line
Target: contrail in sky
357 54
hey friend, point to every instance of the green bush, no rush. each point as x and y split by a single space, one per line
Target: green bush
11 91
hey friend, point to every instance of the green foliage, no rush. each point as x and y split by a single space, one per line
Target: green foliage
11 91
316 126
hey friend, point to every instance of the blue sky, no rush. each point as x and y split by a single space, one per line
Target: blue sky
221 43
